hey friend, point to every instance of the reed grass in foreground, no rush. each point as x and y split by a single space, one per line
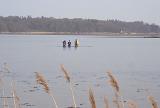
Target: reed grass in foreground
152 101
41 80
16 99
114 83
106 102
5 101
91 98
67 77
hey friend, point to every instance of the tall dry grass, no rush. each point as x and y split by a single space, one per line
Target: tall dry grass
5 101
113 82
91 98
152 102
106 102
68 79
41 80
118 100
66 73
16 99
115 85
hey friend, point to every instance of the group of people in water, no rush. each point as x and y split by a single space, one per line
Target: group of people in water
76 43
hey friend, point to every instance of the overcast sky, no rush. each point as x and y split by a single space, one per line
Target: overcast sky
125 10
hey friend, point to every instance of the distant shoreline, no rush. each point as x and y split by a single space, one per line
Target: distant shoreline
104 34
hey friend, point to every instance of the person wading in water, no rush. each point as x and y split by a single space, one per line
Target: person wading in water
69 43
76 43
64 43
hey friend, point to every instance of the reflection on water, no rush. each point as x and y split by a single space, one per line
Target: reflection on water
135 62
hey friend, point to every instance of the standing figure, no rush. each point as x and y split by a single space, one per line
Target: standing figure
69 43
64 43
76 43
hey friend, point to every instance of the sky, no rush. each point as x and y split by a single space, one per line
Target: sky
125 10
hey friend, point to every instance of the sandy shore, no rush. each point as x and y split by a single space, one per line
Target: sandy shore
105 34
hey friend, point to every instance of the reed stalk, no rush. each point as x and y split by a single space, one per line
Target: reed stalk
53 99
114 83
106 102
5 101
91 98
16 99
68 79
66 73
73 97
117 101
41 80
152 102
13 95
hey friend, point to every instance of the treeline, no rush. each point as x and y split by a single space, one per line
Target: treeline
77 25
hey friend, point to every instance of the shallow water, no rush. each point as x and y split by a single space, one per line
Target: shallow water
134 61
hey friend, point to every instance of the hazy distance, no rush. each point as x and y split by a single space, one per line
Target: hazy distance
125 10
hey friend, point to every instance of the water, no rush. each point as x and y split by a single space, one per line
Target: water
134 61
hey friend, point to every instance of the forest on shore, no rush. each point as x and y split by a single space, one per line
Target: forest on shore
76 25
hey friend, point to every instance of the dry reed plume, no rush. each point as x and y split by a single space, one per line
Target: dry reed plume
106 102
41 80
114 83
132 104
152 101
67 77
66 73
92 99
